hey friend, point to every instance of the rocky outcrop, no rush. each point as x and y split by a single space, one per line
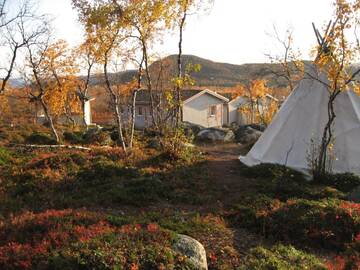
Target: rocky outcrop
247 135
216 135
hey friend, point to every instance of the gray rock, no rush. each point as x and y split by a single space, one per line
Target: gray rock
192 249
216 134
192 129
355 195
247 135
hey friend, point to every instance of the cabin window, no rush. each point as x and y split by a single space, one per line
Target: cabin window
212 110
140 111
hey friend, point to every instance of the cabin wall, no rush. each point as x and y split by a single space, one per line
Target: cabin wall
196 111
234 115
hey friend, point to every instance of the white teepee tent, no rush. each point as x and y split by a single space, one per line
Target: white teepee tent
301 118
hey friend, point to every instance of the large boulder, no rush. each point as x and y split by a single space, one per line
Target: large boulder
216 135
192 129
258 127
247 135
192 249
355 195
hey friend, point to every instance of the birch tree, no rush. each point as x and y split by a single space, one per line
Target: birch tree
105 28
16 30
336 52
87 61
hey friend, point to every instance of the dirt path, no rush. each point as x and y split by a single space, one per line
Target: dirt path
223 169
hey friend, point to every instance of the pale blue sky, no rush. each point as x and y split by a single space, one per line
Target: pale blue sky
234 31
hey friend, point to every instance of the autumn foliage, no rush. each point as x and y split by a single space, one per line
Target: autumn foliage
80 238
260 106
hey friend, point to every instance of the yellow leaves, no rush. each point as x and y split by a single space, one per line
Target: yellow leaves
178 82
170 100
257 89
340 52
269 112
260 107
58 70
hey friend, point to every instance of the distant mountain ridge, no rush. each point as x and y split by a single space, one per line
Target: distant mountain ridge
212 74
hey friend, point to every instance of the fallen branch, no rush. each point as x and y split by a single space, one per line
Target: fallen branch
51 146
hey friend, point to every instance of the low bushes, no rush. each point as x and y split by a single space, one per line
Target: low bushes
330 224
209 230
327 223
97 137
342 181
93 136
40 138
74 137
281 257
268 170
5 157
344 262
79 239
55 161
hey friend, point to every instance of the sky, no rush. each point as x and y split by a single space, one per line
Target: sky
235 31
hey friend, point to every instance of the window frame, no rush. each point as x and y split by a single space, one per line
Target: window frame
212 110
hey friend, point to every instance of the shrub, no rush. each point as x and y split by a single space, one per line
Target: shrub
74 137
97 137
104 170
251 212
19 133
329 192
40 138
326 223
330 224
5 156
344 181
176 146
268 170
139 192
281 257
60 160
69 239
346 262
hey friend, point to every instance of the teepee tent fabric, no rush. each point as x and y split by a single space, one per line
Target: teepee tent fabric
302 118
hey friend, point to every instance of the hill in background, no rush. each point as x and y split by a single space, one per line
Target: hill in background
212 74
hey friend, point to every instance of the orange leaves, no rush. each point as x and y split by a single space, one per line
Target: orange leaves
85 234
152 227
134 266
59 71
126 89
